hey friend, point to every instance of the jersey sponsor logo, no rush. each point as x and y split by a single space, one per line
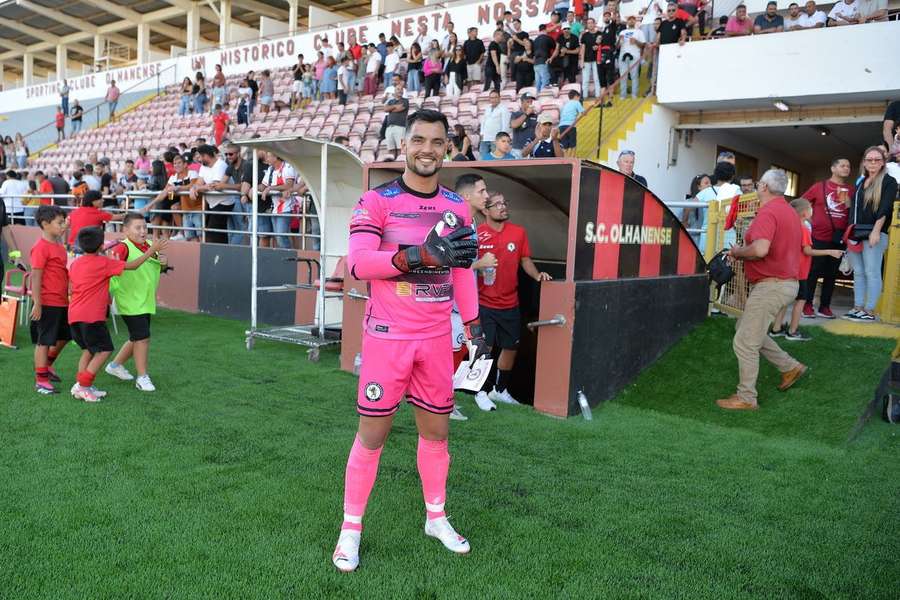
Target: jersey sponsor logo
373 391
452 196
423 207
402 215
382 328
511 246
390 191
425 292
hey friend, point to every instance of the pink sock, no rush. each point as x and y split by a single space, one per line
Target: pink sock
362 469
433 460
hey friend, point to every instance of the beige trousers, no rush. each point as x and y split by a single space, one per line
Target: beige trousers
752 339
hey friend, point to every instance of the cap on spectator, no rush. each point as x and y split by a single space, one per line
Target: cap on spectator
527 97
545 119
566 26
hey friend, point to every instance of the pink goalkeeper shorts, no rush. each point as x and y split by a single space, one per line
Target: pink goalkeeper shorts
420 370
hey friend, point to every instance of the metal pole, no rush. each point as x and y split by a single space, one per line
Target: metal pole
600 128
254 243
320 213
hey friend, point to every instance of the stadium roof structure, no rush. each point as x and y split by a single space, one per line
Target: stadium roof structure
37 27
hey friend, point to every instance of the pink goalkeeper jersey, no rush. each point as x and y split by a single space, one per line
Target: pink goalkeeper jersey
414 305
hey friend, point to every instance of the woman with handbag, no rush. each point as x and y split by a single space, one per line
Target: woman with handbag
830 200
870 218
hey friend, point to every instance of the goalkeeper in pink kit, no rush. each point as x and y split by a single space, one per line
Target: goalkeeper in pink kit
412 240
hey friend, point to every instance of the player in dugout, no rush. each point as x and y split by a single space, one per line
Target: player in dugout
498 289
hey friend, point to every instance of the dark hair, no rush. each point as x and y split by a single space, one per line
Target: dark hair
500 135
90 197
129 161
770 3
157 175
12 174
695 184
838 159
542 27
466 180
207 149
426 115
724 171
723 20
90 239
46 213
168 155
744 176
574 94
132 216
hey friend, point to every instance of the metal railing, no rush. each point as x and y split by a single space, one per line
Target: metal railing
194 222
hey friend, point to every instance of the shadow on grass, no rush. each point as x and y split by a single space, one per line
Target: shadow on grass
823 406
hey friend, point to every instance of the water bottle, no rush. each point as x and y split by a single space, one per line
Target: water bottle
585 407
357 363
490 275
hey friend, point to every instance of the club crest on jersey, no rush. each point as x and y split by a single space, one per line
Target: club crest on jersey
373 391
511 246
450 219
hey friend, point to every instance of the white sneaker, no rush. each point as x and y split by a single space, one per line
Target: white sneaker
456 415
95 391
178 237
346 553
483 402
503 397
119 372
144 384
441 529
84 393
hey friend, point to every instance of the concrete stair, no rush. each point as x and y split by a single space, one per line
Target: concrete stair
616 121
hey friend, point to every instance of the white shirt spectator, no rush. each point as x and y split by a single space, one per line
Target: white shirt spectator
13 187
342 78
893 169
869 7
92 181
391 62
283 203
494 121
423 40
373 63
176 180
389 93
809 22
212 175
842 11
790 22
627 47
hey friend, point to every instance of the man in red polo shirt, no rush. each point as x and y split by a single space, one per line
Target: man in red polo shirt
498 289
771 262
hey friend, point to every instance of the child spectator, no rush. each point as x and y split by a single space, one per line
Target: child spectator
719 32
568 115
50 296
135 295
89 214
90 275
804 211
60 124
221 124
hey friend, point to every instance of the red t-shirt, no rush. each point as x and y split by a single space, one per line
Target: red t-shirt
805 260
46 188
86 216
120 250
219 122
837 210
170 169
554 30
777 222
90 275
51 259
60 120
510 246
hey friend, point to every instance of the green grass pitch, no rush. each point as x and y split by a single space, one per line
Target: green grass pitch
227 483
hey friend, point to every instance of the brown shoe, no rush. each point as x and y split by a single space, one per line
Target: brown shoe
790 378
735 403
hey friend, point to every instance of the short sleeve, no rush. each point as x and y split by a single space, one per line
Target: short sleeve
114 267
806 236
893 112
105 216
120 251
247 173
38 256
812 194
523 244
288 172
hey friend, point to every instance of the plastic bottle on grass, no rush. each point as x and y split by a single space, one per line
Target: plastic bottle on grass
585 407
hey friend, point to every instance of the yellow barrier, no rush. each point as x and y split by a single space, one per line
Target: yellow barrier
888 307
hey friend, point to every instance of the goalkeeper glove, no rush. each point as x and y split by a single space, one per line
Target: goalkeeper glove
459 249
475 341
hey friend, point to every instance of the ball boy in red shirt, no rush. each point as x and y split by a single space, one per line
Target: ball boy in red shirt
50 295
90 275
89 214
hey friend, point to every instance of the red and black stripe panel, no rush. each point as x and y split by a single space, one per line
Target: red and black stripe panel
625 232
